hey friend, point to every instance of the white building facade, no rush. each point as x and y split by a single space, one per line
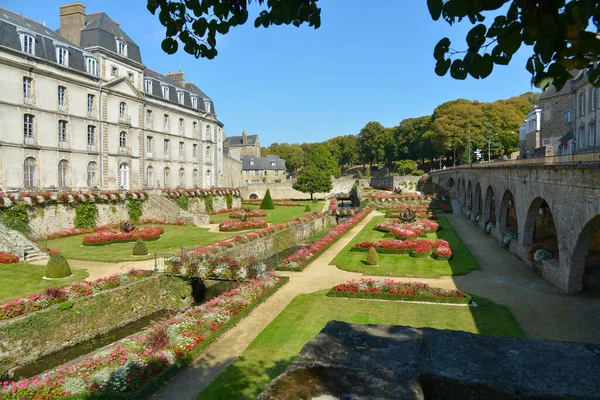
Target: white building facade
79 110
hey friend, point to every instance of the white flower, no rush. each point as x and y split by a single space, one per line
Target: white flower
27 200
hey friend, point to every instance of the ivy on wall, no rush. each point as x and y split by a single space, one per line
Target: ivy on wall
229 200
208 204
183 202
15 218
86 215
134 209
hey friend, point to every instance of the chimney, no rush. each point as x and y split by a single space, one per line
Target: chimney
244 138
72 22
177 77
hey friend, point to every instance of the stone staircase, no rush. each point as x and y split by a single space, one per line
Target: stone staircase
18 244
170 212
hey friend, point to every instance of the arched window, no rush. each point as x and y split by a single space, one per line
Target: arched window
29 177
122 110
208 176
91 174
63 173
195 178
166 176
124 176
123 139
181 177
207 132
149 176
207 154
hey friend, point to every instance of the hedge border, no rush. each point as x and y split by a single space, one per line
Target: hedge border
306 263
381 251
399 297
120 241
156 382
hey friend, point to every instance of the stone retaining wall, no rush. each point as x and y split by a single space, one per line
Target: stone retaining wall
392 182
24 339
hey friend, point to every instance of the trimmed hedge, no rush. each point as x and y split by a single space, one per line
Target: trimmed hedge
57 267
140 248
381 251
267 202
399 297
119 241
155 384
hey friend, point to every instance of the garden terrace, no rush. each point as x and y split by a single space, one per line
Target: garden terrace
216 266
237 225
462 261
276 216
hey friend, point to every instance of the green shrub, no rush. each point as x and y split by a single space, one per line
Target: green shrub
15 218
307 208
229 200
86 215
208 204
58 267
354 199
183 202
140 248
134 209
372 257
66 305
267 202
418 172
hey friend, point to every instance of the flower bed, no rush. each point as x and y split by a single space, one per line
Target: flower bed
69 197
237 214
224 210
8 258
392 290
140 364
211 266
14 308
237 225
303 257
110 236
117 225
419 248
442 253
333 205
407 231
175 193
283 203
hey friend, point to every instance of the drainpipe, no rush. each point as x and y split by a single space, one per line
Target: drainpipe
143 155
100 133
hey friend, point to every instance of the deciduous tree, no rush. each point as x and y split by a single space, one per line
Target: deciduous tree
313 180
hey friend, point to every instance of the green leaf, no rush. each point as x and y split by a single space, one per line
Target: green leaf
442 66
486 66
476 37
457 70
441 48
435 8
169 45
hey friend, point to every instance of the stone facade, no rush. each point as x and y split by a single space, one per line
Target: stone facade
557 120
570 194
586 121
392 182
231 172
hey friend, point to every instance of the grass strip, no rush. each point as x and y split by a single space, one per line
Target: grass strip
400 297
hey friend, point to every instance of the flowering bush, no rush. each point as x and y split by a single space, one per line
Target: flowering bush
489 226
224 210
541 254
477 217
69 197
134 361
237 214
424 246
217 266
236 225
333 205
8 258
508 237
109 236
282 203
442 253
299 260
447 208
175 193
392 290
14 308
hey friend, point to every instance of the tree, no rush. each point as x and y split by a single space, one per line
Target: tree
405 167
267 202
370 141
320 158
557 30
344 149
313 180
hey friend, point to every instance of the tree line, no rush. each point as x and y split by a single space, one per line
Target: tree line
432 140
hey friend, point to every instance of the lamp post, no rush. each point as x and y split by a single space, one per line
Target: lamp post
489 145
469 132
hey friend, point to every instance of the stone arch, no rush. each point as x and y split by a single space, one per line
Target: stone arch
585 263
450 182
507 217
253 196
462 193
470 195
539 227
477 202
489 209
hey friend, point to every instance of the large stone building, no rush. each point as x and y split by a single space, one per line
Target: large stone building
239 146
269 169
80 110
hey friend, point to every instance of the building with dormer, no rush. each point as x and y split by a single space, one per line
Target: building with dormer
79 110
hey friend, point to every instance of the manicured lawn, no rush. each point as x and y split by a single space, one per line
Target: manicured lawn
275 348
190 237
404 264
22 280
279 214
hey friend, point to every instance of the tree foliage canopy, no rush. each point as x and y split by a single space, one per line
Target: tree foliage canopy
313 180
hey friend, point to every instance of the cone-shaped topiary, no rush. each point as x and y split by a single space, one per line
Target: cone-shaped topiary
267 203
140 248
372 257
58 267
307 208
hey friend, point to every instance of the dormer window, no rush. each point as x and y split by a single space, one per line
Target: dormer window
272 163
207 106
180 97
147 85
91 66
251 162
62 56
165 92
122 47
194 102
27 43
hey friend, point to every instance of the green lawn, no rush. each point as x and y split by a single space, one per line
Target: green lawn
170 242
22 280
404 264
275 348
279 214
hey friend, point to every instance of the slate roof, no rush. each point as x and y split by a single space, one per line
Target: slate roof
263 163
45 39
236 141
159 80
101 31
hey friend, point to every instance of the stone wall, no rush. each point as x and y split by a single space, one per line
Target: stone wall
284 190
232 172
282 240
391 182
399 362
24 339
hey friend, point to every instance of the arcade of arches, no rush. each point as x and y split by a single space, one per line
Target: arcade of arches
548 216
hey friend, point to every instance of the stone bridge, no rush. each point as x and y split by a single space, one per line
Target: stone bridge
555 206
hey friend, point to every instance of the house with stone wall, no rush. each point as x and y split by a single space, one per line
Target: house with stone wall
269 169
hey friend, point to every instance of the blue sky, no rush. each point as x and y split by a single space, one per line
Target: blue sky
290 84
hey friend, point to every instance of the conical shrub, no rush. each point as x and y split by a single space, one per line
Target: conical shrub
58 267
267 202
140 248
372 257
307 208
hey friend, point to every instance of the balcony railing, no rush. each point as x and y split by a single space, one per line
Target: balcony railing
125 119
125 150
